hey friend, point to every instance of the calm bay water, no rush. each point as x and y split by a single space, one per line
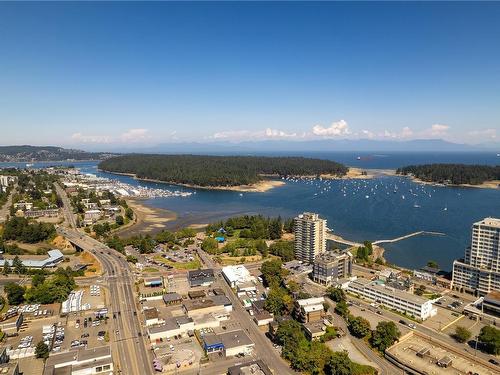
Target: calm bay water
357 210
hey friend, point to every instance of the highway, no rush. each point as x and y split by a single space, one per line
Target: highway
264 349
127 340
69 216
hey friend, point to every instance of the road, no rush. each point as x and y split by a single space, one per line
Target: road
127 340
263 346
69 216
5 209
384 366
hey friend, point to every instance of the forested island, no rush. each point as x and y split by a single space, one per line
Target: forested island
218 171
455 174
26 153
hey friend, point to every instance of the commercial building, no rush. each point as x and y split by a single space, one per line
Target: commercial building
331 266
310 236
229 343
237 275
491 304
151 316
393 298
81 362
11 326
250 368
153 282
479 272
50 212
179 325
54 257
172 298
314 330
310 309
213 304
204 277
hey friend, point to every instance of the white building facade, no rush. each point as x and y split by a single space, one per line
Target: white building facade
310 236
392 298
479 272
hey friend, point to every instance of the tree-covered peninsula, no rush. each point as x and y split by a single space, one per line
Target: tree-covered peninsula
218 171
456 174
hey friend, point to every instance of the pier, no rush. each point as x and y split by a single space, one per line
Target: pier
331 237
407 236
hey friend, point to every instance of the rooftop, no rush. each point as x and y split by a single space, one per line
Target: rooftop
151 313
310 301
489 221
250 368
197 304
364 283
229 339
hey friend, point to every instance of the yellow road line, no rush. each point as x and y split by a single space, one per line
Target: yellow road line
452 322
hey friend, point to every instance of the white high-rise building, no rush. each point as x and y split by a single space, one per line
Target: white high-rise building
310 236
479 271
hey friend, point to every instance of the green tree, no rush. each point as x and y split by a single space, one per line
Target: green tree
115 243
278 302
432 264
420 290
273 272
129 213
490 338
462 334
335 294
210 245
339 363
119 220
385 334
165 236
283 249
6 268
342 309
42 350
359 326
15 293
262 248
37 279
18 265
131 259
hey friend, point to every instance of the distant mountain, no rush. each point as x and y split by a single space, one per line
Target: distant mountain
47 153
324 145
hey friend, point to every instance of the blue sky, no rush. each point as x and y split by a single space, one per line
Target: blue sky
87 74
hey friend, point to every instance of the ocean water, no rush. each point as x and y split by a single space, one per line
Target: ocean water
356 209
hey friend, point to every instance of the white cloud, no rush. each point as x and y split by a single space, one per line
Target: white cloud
438 130
367 134
484 133
239 135
275 133
134 135
405 133
130 136
335 129
79 137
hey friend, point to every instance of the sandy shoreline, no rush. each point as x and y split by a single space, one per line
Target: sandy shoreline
258 187
147 219
493 184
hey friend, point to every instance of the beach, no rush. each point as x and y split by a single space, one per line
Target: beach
147 219
492 184
258 187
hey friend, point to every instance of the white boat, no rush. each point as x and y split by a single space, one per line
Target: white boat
416 206
241 194
445 209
